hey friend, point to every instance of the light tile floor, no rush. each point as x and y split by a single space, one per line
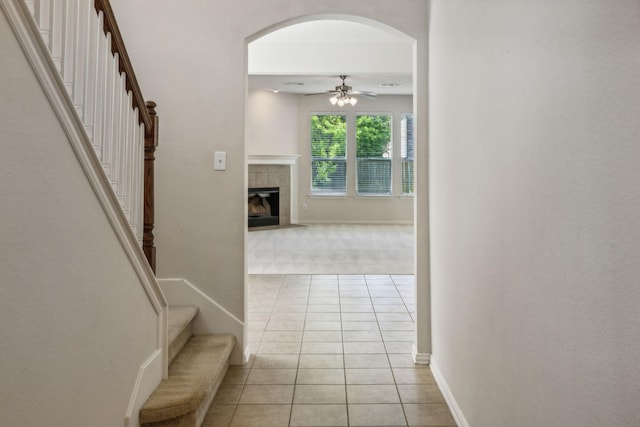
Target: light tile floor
330 350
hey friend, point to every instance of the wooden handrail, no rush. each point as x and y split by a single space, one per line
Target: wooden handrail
147 117
117 46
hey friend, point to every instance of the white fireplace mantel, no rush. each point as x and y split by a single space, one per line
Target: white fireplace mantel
273 159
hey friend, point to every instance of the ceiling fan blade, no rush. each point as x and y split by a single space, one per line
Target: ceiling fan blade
345 90
321 93
366 94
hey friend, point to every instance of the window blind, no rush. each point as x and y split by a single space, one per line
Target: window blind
406 152
373 153
328 153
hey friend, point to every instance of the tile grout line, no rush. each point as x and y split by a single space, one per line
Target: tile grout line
392 372
344 361
295 379
395 383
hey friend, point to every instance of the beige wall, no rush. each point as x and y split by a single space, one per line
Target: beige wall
534 162
191 59
75 323
272 123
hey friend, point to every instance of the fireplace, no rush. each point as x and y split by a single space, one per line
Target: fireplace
276 171
263 206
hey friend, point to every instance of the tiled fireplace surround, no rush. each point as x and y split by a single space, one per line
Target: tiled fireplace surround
261 175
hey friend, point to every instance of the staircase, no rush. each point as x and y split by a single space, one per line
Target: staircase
198 363
78 54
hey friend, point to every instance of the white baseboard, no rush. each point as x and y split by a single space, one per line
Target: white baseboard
212 318
247 356
448 396
421 358
149 376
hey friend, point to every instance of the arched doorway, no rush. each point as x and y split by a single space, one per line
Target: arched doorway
422 347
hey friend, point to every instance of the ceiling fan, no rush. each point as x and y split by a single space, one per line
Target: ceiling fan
343 94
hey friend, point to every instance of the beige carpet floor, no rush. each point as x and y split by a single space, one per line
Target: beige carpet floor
332 249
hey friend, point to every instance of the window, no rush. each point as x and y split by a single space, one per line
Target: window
406 152
328 154
373 154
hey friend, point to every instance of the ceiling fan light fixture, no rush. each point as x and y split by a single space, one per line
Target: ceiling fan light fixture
342 99
344 95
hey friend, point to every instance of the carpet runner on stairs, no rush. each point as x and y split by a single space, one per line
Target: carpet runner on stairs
199 364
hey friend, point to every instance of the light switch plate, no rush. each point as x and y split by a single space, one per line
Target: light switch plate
220 161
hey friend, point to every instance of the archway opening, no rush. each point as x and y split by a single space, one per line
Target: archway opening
287 64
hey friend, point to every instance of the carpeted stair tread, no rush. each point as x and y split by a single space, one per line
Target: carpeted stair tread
180 319
193 375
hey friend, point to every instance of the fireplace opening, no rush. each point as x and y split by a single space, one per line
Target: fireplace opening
263 206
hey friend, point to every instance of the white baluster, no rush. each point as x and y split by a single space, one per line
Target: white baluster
115 125
133 139
125 158
92 81
132 179
135 186
100 101
81 58
131 153
117 135
42 14
122 145
139 184
31 6
134 173
68 45
132 168
56 26
109 102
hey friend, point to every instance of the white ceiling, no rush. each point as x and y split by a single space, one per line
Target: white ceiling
308 58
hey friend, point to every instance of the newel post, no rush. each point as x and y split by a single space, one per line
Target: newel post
150 144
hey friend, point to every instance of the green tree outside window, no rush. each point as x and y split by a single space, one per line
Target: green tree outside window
373 152
328 153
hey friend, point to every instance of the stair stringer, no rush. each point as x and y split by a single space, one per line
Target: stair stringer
146 382
212 318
